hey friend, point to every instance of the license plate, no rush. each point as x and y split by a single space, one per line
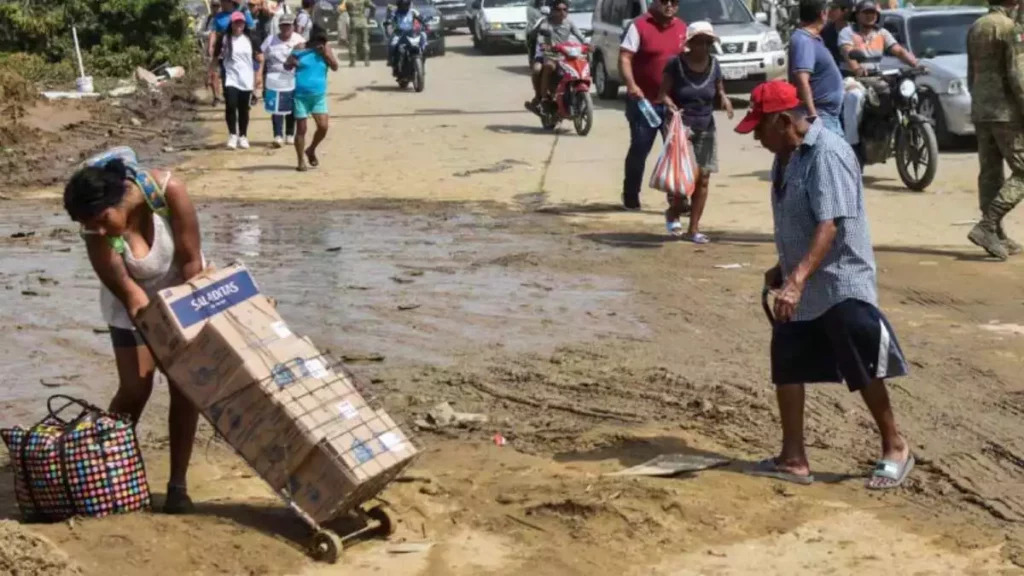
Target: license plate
736 73
521 36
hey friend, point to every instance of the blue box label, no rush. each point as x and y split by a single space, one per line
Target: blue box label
211 300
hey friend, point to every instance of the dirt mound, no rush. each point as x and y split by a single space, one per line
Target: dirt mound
23 553
42 142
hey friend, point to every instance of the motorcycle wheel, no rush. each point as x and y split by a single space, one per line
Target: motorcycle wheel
583 119
419 77
917 155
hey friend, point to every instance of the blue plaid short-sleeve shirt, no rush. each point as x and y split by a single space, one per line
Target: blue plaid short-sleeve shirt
822 182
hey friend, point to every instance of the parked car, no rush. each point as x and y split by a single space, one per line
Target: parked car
498 23
938 37
453 13
326 15
430 15
750 52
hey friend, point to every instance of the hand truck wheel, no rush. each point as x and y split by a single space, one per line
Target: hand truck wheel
327 546
385 524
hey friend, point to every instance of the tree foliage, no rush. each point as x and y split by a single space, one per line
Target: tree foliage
115 35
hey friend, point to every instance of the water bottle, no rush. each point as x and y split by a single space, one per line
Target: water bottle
652 116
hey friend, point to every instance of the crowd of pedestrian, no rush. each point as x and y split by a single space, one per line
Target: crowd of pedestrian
265 51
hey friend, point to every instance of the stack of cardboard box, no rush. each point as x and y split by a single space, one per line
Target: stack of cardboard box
297 419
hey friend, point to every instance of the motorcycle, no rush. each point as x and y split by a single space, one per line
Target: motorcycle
572 95
892 126
410 64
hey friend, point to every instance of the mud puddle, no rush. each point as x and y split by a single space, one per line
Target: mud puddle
378 285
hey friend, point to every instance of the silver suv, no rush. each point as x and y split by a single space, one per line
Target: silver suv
750 51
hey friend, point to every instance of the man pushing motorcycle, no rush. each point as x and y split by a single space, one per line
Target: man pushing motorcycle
556 29
400 21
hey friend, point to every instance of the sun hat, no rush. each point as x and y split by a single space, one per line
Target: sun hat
700 28
288 18
768 98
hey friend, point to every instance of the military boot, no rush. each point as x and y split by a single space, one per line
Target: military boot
984 236
1012 246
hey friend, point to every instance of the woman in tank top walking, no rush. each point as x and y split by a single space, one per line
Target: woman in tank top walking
142 235
691 86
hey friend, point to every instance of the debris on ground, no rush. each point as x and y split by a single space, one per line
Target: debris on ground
444 416
673 464
410 547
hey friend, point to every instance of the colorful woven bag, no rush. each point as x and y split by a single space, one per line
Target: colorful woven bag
88 466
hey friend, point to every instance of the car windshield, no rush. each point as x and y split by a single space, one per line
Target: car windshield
582 5
940 34
504 3
715 11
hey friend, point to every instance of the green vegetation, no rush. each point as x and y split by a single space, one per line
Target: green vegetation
115 37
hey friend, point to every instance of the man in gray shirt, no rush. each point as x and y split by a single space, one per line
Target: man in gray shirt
827 325
557 29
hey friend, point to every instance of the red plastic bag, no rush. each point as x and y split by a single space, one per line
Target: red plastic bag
675 172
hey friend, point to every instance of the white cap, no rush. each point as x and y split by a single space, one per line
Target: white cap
700 28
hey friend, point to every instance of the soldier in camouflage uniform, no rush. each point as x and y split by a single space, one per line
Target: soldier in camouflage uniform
995 79
358 33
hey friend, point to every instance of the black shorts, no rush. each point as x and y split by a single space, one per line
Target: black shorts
125 338
851 342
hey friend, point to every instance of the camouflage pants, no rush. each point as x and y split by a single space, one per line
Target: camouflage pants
997 195
358 43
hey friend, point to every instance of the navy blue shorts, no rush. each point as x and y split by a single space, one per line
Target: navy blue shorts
851 342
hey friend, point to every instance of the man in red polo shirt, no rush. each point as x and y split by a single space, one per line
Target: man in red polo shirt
648 44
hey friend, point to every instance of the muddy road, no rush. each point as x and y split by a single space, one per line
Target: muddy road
453 252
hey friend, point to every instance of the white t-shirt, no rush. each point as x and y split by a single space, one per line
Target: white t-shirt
238 70
275 52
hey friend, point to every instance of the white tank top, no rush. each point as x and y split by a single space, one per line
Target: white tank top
153 273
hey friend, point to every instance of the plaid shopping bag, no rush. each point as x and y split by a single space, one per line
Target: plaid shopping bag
675 172
90 465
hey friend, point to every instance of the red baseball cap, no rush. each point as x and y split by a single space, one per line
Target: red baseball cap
768 98
237 17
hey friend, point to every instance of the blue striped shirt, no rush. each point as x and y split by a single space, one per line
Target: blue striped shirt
822 182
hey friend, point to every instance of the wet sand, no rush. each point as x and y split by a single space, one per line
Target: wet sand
591 342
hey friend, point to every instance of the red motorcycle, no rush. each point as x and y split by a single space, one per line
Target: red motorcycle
572 96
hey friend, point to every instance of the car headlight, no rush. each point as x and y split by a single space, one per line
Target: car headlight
907 88
772 42
434 21
957 87
496 26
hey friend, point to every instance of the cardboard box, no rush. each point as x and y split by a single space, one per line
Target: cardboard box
227 356
303 426
176 315
263 432
349 468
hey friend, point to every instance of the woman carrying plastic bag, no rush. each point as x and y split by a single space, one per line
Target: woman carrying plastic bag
690 88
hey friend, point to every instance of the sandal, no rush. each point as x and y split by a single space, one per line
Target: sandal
769 468
674 228
889 474
698 238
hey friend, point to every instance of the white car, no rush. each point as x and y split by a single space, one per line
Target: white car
498 23
750 52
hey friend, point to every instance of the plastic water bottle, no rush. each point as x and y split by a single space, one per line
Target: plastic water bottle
652 116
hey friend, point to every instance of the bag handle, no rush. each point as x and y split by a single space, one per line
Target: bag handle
70 401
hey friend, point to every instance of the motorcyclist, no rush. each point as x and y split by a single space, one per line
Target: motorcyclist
865 36
554 30
401 20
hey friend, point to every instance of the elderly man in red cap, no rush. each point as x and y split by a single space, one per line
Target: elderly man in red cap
827 325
